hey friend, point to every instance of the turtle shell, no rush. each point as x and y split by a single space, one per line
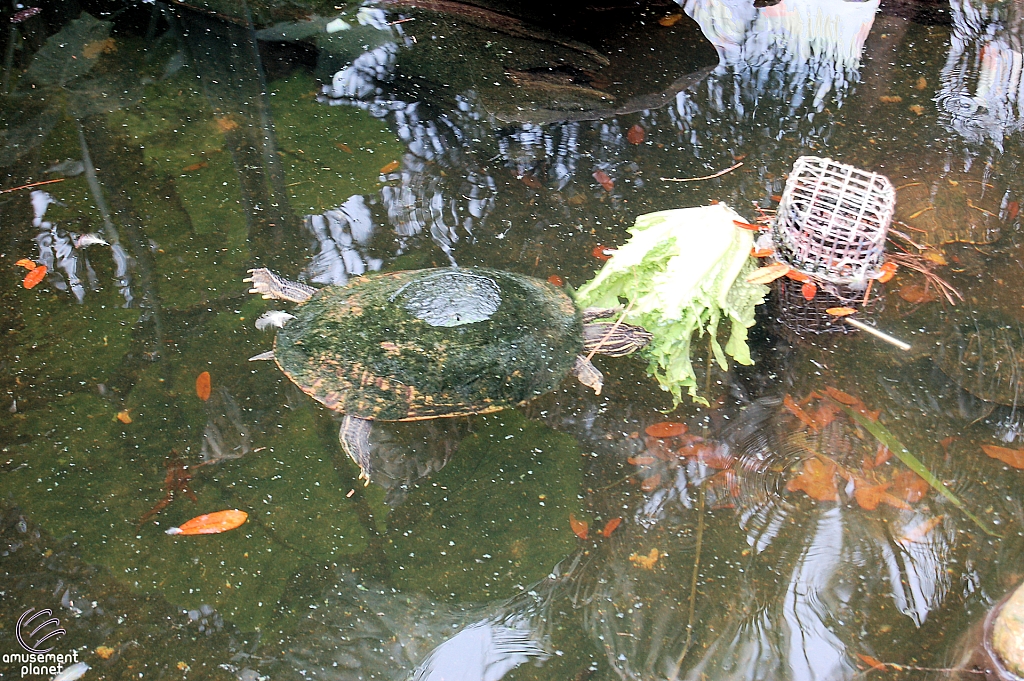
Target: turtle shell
419 344
985 357
957 207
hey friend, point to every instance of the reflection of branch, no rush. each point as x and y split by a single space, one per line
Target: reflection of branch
693 579
120 256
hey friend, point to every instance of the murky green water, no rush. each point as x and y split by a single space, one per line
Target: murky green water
775 541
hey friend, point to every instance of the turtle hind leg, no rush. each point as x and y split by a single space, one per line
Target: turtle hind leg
272 286
355 440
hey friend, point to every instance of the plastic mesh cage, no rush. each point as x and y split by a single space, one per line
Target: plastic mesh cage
803 317
833 220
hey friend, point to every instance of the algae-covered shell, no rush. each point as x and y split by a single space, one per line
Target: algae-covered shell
955 207
421 344
985 357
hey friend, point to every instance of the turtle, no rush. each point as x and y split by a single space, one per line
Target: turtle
440 342
953 208
985 357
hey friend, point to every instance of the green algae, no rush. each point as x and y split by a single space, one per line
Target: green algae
495 518
78 483
88 350
329 152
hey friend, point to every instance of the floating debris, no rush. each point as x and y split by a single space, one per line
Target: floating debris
211 523
276 318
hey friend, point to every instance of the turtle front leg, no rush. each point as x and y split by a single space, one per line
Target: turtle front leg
355 440
271 286
588 374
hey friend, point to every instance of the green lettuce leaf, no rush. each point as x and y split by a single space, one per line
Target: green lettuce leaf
682 272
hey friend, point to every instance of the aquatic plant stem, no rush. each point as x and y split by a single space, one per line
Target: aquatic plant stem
883 435
711 361
693 580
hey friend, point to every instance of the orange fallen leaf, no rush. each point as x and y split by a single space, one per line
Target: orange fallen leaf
579 527
896 502
203 386
798 412
840 311
389 168
808 290
635 135
652 483
603 180
226 123
211 523
854 403
1012 209
868 496
717 457
602 253
670 20
659 448
98 47
871 662
556 280
917 294
646 562
824 414
747 226
724 486
921 530
610 526
797 275
26 263
104 652
124 417
888 271
666 429
839 396
761 252
882 455
768 273
34 276
641 460
344 147
817 479
531 182
194 166
1013 457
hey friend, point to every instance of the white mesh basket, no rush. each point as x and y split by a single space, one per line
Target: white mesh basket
833 220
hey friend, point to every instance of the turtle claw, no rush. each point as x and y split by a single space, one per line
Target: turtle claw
273 287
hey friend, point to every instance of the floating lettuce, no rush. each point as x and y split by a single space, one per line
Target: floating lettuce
683 271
